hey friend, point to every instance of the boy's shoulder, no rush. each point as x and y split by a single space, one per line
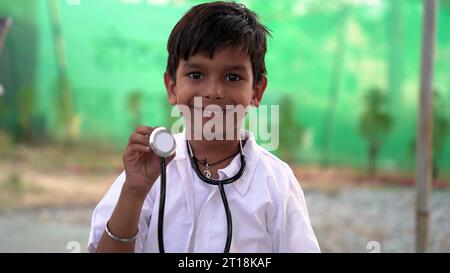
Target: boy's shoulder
275 176
270 158
274 165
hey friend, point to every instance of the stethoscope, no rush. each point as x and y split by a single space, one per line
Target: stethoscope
163 144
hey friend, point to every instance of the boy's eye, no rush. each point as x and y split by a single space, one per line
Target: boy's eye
195 75
233 77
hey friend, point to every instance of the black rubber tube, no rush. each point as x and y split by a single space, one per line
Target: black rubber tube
229 220
162 201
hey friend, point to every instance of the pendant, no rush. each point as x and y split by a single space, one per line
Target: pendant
207 172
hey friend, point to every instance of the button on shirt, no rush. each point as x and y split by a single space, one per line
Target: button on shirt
267 205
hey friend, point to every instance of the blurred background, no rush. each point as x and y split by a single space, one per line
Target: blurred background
76 77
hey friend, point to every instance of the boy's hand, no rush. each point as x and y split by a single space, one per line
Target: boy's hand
142 166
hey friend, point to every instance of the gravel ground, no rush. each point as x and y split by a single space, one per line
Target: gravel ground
45 230
344 219
367 219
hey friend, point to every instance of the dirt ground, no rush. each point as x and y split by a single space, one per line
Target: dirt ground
52 176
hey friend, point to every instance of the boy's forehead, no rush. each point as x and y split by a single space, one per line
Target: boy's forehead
229 57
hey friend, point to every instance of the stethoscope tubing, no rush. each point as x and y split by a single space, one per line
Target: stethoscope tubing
219 183
162 202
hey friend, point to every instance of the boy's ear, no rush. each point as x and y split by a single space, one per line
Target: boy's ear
171 89
258 91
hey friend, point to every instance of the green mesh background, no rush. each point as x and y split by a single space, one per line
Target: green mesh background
116 48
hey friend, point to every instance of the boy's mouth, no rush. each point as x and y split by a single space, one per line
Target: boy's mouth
217 119
211 110
198 106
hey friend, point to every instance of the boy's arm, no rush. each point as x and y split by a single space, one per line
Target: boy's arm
142 168
129 214
290 228
123 223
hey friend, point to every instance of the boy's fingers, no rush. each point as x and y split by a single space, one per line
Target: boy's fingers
138 138
144 130
134 148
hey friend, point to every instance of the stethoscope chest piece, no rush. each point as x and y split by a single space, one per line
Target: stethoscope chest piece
162 142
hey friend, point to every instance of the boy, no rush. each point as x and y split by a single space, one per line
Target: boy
216 57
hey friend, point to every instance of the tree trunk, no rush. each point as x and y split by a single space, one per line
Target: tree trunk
373 155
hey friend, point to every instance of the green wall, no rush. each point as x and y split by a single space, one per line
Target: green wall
318 48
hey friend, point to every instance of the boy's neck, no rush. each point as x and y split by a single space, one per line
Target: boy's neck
214 150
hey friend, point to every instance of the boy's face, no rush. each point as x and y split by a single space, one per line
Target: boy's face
226 79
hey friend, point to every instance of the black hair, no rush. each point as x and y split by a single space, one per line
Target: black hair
213 26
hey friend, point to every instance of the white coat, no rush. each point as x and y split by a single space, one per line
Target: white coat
267 204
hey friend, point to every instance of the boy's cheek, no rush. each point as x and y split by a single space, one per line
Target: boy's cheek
183 108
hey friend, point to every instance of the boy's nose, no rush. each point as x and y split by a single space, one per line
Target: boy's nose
214 91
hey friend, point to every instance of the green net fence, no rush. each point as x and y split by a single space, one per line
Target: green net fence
324 57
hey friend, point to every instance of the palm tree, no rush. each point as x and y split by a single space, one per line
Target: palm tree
441 131
375 122
292 137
